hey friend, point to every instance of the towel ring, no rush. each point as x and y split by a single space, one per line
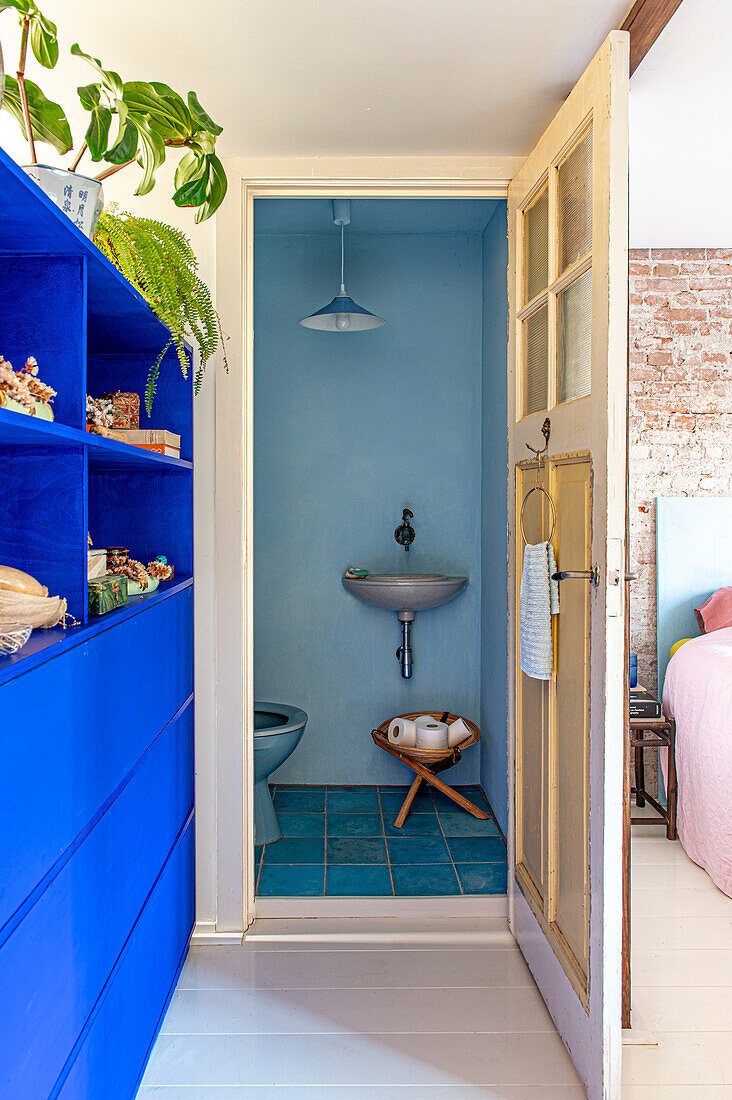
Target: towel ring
546 431
538 489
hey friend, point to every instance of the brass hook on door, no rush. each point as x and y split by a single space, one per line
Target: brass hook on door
546 431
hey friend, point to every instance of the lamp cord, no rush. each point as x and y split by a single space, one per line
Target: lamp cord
342 246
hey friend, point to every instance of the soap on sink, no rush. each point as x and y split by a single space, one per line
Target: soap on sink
357 574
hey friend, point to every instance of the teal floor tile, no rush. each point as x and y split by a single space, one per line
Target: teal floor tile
415 825
355 850
427 880
295 849
343 881
293 824
461 823
283 881
354 824
360 800
477 849
482 878
305 800
443 804
418 849
391 804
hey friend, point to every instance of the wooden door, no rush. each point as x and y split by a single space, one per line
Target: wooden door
568 227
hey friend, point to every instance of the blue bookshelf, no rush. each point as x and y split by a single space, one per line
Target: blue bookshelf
96 721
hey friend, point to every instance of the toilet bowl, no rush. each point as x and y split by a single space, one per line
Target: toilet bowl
277 732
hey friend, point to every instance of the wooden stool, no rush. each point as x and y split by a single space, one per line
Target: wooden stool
426 762
655 733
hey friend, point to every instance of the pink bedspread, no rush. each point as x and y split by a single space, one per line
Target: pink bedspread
698 693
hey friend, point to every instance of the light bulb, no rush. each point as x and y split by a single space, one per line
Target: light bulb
342 322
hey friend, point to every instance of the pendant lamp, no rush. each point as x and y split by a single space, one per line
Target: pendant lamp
342 314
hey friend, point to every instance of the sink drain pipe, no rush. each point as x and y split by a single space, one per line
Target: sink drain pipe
404 652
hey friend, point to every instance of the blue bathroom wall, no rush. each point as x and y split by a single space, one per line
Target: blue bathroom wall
494 508
349 430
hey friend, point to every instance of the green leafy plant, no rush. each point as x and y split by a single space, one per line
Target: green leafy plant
160 262
149 118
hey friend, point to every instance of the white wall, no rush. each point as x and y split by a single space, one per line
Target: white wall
680 147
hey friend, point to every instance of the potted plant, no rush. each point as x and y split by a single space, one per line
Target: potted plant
160 262
149 118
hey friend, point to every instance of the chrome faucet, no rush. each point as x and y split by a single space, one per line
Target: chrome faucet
404 533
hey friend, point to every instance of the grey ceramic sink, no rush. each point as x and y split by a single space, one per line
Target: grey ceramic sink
405 591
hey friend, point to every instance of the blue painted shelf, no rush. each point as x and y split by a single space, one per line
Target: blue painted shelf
17 429
32 225
96 721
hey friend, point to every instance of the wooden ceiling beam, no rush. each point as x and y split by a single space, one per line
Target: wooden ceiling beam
645 21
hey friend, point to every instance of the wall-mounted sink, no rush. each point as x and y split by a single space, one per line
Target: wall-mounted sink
405 591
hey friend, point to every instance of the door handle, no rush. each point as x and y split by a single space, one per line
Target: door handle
631 576
591 575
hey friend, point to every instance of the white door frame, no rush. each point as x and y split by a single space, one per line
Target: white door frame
409 177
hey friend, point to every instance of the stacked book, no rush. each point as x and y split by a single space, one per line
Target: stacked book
643 704
158 440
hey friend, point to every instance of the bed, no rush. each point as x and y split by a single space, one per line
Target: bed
693 559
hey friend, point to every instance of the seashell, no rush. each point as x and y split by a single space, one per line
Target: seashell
15 580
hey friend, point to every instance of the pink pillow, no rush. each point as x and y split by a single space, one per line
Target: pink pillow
716 612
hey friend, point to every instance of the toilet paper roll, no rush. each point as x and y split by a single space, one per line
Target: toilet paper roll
457 731
431 734
403 731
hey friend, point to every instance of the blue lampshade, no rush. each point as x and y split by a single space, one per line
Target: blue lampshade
342 314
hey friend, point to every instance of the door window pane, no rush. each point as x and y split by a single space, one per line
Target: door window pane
574 339
536 246
574 199
536 348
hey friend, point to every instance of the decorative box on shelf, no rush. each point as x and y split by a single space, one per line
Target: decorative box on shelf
106 593
125 409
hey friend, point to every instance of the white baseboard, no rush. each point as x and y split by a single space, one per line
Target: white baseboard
400 908
205 935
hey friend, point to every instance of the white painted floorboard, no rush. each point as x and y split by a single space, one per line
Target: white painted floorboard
447 1009
681 976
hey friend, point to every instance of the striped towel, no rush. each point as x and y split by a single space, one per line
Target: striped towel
539 601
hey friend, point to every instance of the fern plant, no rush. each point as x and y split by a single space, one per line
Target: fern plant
159 261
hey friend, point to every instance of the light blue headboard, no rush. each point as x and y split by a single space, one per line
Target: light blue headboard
693 558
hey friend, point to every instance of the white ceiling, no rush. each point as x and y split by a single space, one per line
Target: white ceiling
345 77
680 147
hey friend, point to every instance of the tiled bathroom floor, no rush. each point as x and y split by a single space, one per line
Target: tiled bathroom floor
341 842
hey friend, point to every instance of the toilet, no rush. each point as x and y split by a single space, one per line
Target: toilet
277 732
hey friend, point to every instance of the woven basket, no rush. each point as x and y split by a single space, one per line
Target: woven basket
427 756
13 637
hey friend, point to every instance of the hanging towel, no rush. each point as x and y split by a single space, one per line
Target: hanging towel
539 601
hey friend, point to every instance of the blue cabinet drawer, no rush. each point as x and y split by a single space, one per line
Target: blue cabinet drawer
54 966
71 730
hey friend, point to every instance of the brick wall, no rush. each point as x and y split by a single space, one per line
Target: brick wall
680 404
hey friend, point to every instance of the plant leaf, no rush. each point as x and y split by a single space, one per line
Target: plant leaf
152 153
167 114
43 40
216 189
48 120
195 190
111 80
97 134
205 190
189 166
200 116
23 6
125 148
90 96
